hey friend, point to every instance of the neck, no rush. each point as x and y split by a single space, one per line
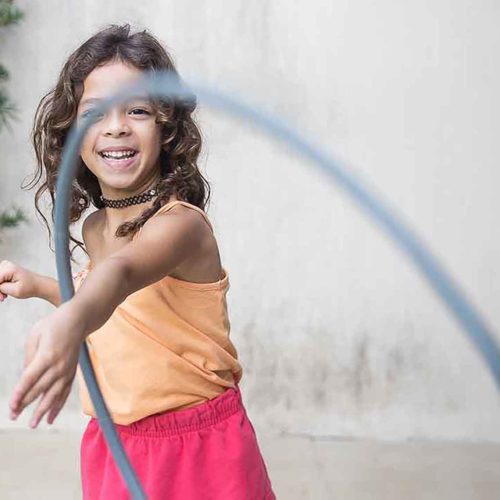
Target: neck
114 193
115 217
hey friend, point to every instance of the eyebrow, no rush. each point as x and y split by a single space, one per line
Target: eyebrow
89 99
97 99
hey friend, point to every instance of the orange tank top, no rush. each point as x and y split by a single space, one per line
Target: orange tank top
165 347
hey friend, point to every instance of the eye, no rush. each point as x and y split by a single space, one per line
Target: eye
89 110
144 111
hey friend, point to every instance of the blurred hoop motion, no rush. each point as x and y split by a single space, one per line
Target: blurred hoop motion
168 86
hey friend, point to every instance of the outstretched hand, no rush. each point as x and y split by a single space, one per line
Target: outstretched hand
50 361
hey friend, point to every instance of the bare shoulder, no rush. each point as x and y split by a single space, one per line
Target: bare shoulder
194 239
179 218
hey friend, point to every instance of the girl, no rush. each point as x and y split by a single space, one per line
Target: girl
151 304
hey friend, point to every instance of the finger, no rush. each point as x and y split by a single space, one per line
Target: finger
46 401
43 384
58 405
53 412
35 379
7 285
30 348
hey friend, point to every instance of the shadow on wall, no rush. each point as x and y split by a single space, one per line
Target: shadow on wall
364 374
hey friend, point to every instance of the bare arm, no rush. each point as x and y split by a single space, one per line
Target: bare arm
53 346
47 288
21 283
166 241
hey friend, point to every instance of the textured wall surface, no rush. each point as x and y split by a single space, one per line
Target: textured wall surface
337 333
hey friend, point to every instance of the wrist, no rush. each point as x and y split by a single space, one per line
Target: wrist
47 288
74 319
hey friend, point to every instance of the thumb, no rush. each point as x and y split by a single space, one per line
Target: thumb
8 288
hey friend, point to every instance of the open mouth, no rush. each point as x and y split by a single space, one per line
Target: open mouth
120 159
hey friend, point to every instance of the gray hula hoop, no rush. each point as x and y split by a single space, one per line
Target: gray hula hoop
167 85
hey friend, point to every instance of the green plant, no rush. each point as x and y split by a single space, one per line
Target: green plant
9 14
11 218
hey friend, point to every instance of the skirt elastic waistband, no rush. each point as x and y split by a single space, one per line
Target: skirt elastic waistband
171 423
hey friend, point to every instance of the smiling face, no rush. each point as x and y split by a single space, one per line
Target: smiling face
122 149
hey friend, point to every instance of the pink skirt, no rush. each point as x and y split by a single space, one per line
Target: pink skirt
206 452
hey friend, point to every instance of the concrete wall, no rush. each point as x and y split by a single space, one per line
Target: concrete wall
337 332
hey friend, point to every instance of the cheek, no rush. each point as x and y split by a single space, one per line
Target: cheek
87 145
151 141
88 156
157 141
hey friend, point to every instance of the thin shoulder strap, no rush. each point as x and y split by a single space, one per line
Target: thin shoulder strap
168 206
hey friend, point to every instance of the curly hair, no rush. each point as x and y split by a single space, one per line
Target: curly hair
57 110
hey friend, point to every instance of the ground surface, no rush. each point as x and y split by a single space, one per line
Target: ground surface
43 464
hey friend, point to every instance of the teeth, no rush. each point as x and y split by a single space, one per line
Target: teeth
117 154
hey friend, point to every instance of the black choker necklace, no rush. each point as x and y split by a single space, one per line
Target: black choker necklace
132 200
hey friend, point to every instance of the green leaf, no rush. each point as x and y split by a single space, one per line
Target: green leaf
9 14
12 217
8 111
4 74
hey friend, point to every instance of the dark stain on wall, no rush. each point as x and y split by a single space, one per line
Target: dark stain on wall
326 373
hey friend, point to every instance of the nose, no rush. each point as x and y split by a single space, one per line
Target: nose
115 124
